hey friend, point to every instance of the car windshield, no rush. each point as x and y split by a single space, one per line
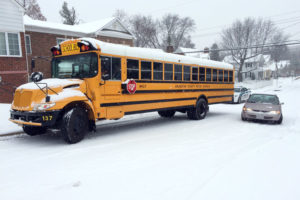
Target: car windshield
262 98
75 66
237 89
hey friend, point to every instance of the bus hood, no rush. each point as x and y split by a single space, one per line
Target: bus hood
28 95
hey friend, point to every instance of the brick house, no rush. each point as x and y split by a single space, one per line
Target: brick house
41 36
13 65
22 38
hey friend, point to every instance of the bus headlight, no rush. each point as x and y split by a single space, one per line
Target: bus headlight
43 106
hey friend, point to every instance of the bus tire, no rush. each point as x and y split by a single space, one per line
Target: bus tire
74 125
198 112
34 130
167 113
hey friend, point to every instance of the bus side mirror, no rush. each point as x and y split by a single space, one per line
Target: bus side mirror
32 63
105 77
36 76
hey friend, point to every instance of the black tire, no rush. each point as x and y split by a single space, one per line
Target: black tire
239 100
167 113
198 112
243 118
75 125
34 130
280 120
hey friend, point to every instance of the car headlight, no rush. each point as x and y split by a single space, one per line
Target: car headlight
43 106
275 112
247 109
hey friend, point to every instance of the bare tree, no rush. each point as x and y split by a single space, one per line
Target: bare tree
69 16
171 30
279 51
33 10
174 31
243 34
214 53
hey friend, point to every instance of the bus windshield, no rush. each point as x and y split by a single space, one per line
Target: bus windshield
75 66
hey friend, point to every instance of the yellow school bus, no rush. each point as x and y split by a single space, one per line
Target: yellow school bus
93 80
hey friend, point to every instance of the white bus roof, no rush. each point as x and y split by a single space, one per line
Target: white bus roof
152 54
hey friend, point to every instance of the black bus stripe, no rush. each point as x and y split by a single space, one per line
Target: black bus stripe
172 91
144 102
183 82
215 97
159 109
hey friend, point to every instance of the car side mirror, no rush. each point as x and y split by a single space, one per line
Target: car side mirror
282 103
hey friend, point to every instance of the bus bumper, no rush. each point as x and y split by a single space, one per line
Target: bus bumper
45 119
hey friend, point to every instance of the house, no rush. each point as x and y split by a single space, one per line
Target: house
255 68
41 36
193 53
23 39
13 65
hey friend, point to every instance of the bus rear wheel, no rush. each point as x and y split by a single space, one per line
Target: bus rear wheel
34 130
167 113
198 112
74 125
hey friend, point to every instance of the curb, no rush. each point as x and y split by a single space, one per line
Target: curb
11 134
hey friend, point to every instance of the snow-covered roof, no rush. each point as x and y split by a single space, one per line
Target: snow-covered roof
99 27
280 64
257 58
192 52
154 54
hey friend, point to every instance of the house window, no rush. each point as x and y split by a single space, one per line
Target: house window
10 44
60 40
28 44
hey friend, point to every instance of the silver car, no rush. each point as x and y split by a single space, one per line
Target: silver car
263 107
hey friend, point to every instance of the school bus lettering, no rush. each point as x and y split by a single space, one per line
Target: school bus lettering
92 80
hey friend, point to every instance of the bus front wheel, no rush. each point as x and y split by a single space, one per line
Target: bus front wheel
74 125
199 111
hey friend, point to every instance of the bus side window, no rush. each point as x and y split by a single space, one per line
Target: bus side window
146 70
195 73
230 76
202 74
226 76
132 69
116 68
168 72
215 75
187 73
178 73
106 67
157 71
208 74
220 76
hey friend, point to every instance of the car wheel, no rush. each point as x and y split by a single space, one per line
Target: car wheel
34 130
75 125
243 118
280 120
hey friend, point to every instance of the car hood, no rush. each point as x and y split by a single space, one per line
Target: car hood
262 106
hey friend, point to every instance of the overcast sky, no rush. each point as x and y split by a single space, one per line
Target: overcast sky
211 16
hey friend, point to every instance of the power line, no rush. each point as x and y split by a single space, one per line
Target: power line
251 47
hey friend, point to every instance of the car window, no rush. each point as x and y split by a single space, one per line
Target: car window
237 89
262 98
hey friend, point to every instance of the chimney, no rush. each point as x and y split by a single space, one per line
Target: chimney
170 49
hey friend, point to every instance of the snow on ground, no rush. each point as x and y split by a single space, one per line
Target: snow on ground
5 125
147 157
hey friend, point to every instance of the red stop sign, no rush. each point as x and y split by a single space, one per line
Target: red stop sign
131 86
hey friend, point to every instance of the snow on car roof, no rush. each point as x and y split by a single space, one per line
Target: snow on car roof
154 54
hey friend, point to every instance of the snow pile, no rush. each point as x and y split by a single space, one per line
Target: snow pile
5 125
52 83
145 53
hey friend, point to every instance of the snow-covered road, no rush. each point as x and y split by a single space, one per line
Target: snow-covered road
147 157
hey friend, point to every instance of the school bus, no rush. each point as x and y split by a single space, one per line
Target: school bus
93 80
